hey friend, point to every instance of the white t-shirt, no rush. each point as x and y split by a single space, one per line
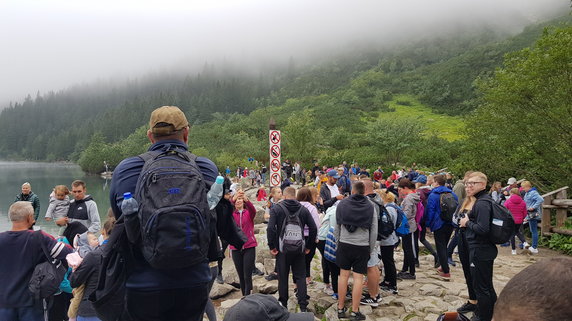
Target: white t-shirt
334 191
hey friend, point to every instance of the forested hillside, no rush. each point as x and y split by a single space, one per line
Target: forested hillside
374 107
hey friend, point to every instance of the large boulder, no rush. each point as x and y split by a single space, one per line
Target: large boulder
221 290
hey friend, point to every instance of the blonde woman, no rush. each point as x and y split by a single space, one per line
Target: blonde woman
495 191
533 202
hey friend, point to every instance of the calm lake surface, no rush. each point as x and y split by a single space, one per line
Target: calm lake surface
43 177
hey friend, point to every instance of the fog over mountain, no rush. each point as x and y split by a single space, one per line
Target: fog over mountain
51 45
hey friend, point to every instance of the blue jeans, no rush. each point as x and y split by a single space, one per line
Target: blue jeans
31 313
533 223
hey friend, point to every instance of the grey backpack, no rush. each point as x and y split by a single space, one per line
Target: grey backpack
173 210
291 240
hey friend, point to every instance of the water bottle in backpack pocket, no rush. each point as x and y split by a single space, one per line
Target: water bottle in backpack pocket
129 210
173 210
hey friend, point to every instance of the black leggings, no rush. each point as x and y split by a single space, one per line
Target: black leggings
59 309
518 233
442 237
388 265
463 247
325 266
244 264
424 241
408 244
309 258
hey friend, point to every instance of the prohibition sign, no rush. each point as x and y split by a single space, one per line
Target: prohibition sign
275 151
275 137
275 179
275 165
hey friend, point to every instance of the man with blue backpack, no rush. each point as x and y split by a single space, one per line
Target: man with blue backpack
441 205
170 271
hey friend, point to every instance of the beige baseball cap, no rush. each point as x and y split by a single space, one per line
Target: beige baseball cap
167 120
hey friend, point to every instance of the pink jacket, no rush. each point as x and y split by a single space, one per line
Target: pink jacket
517 207
245 221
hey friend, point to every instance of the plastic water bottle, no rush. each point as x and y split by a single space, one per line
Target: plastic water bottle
129 208
129 205
215 193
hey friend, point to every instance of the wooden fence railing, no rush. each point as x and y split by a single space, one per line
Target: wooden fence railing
555 200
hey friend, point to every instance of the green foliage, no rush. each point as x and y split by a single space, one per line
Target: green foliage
394 137
523 124
562 243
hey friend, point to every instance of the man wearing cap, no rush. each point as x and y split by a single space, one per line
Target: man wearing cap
344 183
330 193
263 307
153 294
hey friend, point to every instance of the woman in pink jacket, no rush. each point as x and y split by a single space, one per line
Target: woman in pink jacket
517 208
244 213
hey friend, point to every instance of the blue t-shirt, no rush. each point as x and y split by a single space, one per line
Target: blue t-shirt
144 276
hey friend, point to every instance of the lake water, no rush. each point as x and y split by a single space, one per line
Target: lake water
43 177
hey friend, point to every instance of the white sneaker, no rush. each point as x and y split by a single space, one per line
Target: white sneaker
328 290
525 245
513 252
533 250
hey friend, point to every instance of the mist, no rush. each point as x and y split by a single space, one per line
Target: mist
52 45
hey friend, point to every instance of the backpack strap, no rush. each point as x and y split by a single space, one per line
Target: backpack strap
40 238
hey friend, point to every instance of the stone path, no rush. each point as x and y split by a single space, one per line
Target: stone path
418 300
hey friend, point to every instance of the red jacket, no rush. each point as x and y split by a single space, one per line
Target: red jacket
245 221
517 208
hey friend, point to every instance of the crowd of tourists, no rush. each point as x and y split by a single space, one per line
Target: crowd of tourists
172 217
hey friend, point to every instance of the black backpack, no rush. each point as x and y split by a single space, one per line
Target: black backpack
291 240
47 276
173 210
448 205
385 226
502 223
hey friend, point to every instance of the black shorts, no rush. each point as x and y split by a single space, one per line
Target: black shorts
352 257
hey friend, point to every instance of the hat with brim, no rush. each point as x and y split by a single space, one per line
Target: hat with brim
263 307
511 181
167 120
333 173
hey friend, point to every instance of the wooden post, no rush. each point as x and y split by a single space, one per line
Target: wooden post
561 213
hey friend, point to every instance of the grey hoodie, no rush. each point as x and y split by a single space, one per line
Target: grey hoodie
409 206
361 236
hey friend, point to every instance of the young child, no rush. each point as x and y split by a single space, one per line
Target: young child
275 197
83 244
261 194
59 205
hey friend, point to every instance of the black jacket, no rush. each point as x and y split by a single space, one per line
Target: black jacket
326 196
478 226
87 273
276 221
226 229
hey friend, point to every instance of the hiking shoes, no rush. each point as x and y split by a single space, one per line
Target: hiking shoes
467 307
368 300
219 279
342 313
388 288
257 272
355 316
271 277
445 276
451 262
406 276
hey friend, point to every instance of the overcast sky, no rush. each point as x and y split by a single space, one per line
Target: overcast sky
52 44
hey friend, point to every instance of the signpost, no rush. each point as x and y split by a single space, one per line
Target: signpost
274 137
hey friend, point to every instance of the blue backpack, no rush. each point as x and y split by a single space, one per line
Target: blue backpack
401 225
